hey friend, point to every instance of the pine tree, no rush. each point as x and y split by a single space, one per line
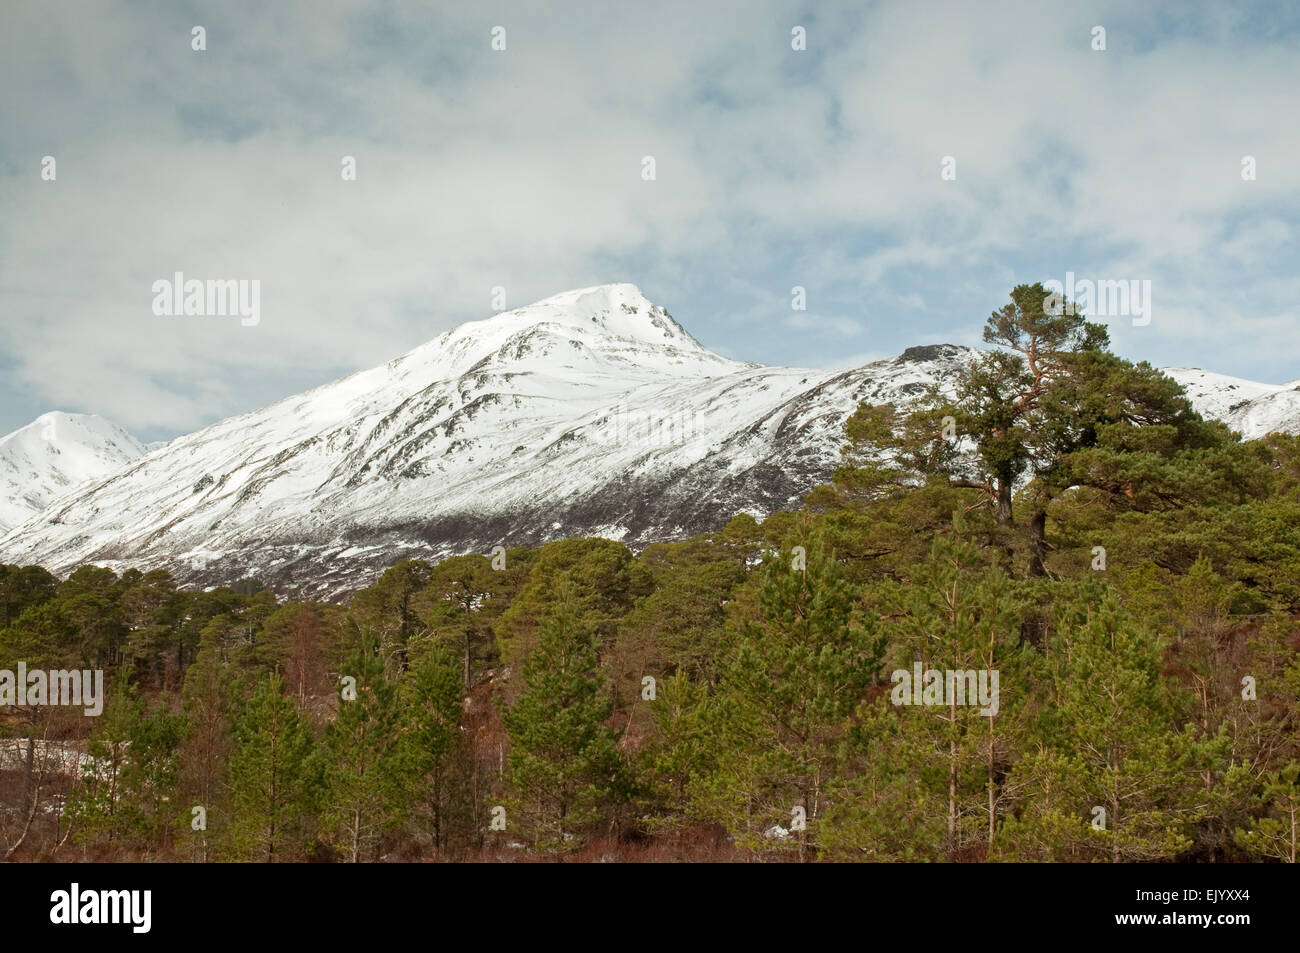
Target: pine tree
152 610
565 770
1049 408
435 747
1276 833
599 579
365 790
464 596
389 612
1004 397
792 679
961 617
1108 744
23 587
151 779
205 750
673 756
274 774
941 762
99 807
130 777
889 801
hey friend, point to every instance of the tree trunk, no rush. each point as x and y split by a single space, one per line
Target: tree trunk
992 802
437 810
1113 822
1004 499
1038 542
1293 831
952 780
29 772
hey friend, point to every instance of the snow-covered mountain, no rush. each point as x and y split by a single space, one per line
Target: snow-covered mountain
54 454
1251 409
589 413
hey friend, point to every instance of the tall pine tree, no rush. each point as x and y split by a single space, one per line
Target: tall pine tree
274 777
565 769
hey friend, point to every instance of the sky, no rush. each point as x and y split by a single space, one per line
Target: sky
906 169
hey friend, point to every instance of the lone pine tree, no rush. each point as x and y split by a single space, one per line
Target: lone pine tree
1046 409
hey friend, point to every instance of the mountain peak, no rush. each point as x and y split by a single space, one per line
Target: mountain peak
54 454
929 352
596 298
618 309
57 426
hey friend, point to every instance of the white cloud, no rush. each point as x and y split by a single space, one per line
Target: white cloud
522 169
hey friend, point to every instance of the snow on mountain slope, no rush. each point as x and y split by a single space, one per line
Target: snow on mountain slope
1250 408
589 413
56 453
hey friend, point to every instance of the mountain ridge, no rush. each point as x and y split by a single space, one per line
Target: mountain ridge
591 412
